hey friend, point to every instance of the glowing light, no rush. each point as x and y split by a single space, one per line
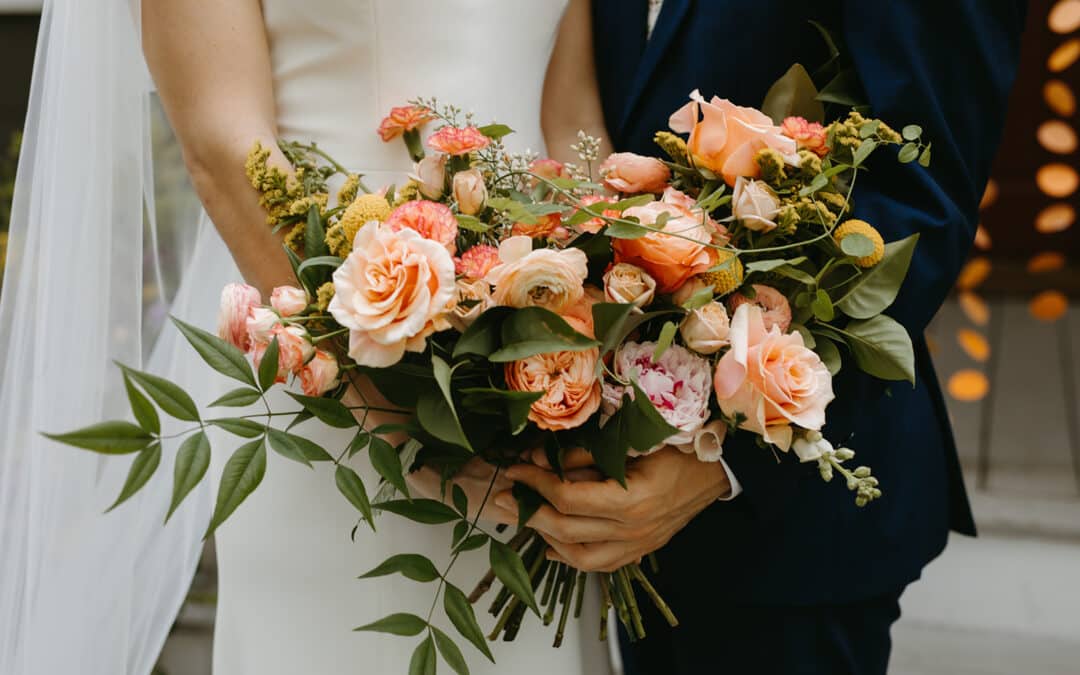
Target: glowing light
1059 98
974 308
1048 261
1064 17
1049 306
973 274
973 344
968 385
990 195
1064 56
1056 136
1057 180
1055 218
983 242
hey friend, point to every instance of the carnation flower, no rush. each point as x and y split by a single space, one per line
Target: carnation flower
458 140
477 261
549 278
809 135
431 220
402 119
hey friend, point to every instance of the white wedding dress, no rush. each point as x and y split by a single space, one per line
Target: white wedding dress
288 592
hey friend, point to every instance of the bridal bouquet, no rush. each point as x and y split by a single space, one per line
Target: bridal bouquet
502 303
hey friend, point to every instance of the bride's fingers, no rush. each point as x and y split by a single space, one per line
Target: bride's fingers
578 529
574 458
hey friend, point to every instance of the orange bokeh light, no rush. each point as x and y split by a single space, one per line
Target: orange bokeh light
974 344
968 385
1056 136
983 242
1049 306
1064 17
1059 97
974 308
1048 261
1057 180
1055 218
990 195
1064 56
973 274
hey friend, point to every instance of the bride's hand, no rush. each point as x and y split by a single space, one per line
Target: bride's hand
475 479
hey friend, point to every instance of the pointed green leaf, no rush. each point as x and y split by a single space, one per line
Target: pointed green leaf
877 287
510 570
410 565
423 659
242 474
144 466
924 158
461 614
223 357
239 426
238 398
496 131
635 425
360 441
443 375
427 511
471 543
534 330
450 652
667 336
110 438
461 500
283 444
268 366
514 404
882 348
329 410
826 349
314 235
483 336
529 502
169 396
192 461
908 153
350 485
437 418
396 624
794 94
387 462
141 407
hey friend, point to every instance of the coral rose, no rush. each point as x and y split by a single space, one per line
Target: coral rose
548 278
320 374
402 119
458 140
671 260
775 308
237 301
754 204
772 379
627 172
431 220
548 168
391 292
724 137
808 135
629 284
288 300
294 347
476 262
568 380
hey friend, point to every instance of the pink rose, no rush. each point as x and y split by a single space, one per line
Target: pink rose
772 379
431 220
458 141
288 300
476 262
402 119
237 300
470 193
706 329
320 374
430 173
548 168
754 204
548 278
390 292
294 347
776 311
725 138
627 172
629 284
260 325
809 135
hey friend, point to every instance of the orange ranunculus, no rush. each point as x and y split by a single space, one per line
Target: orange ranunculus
725 138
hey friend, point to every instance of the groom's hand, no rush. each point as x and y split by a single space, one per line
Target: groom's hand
600 526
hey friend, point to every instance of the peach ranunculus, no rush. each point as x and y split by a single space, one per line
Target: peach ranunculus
549 278
288 300
431 220
391 293
808 135
773 379
725 138
237 301
403 118
775 308
671 260
430 175
630 173
629 284
594 225
572 392
477 261
320 374
458 140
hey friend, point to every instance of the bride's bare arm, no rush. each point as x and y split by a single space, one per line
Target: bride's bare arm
211 63
571 98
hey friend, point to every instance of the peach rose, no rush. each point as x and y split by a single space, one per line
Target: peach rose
431 220
547 227
391 293
572 392
458 140
237 301
630 173
754 204
402 119
706 329
472 298
775 309
476 262
725 138
549 278
687 203
294 347
320 374
288 300
771 378
470 193
594 225
430 174
260 325
808 135
671 260
548 168
629 284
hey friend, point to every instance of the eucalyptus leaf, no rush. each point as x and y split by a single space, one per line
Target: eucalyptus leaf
876 288
352 487
426 511
627 230
142 468
924 158
510 570
857 245
773 263
909 152
242 474
823 306
461 614
496 131
911 132
237 398
169 396
410 565
220 355
109 438
189 468
699 299
396 624
141 407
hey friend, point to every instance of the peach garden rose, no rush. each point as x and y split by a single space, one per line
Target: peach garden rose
671 260
548 278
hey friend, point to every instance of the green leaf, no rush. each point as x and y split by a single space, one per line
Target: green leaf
637 425
667 335
857 245
797 274
908 153
793 94
387 462
471 223
319 261
268 367
823 306
614 321
314 236
877 287
808 338
242 474
534 330
529 502
360 441
699 299
170 398
461 528
472 543
628 230
350 485
426 511
863 152
510 570
844 89
496 131
329 410
819 182
142 468
437 418
238 398
109 438
192 461
924 158
870 128
443 375
461 614
141 407
482 337
830 355
423 659
911 132
882 348
450 652
239 426
223 357
284 445
313 452
514 404
396 624
410 565
460 499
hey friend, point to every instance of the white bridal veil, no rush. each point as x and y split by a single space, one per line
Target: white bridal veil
82 592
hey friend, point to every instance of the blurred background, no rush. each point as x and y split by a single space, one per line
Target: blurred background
1007 352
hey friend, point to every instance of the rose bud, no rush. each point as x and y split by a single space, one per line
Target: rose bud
706 329
288 300
628 173
629 284
755 204
431 174
260 325
320 374
470 191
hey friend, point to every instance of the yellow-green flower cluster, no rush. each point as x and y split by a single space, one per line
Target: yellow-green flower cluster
324 295
673 145
349 189
773 168
277 189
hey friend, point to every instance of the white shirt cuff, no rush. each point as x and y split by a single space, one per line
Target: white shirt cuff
736 486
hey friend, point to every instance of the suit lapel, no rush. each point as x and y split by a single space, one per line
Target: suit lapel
667 27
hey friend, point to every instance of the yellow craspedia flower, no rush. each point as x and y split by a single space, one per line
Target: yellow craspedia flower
673 145
364 208
729 275
867 230
323 295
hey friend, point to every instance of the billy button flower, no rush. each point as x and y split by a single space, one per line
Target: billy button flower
867 230
727 274
365 208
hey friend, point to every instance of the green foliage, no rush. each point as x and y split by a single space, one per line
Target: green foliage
876 288
426 511
510 570
461 614
409 565
636 425
794 94
496 131
423 659
314 235
237 398
387 462
223 357
515 405
143 410
529 502
857 245
109 438
535 330
169 397
144 466
242 474
396 624
268 367
189 468
450 652
239 426
283 444
328 410
350 485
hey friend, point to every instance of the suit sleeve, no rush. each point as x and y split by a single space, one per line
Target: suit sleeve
948 66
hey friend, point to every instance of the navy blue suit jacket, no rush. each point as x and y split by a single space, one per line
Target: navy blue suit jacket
947 65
